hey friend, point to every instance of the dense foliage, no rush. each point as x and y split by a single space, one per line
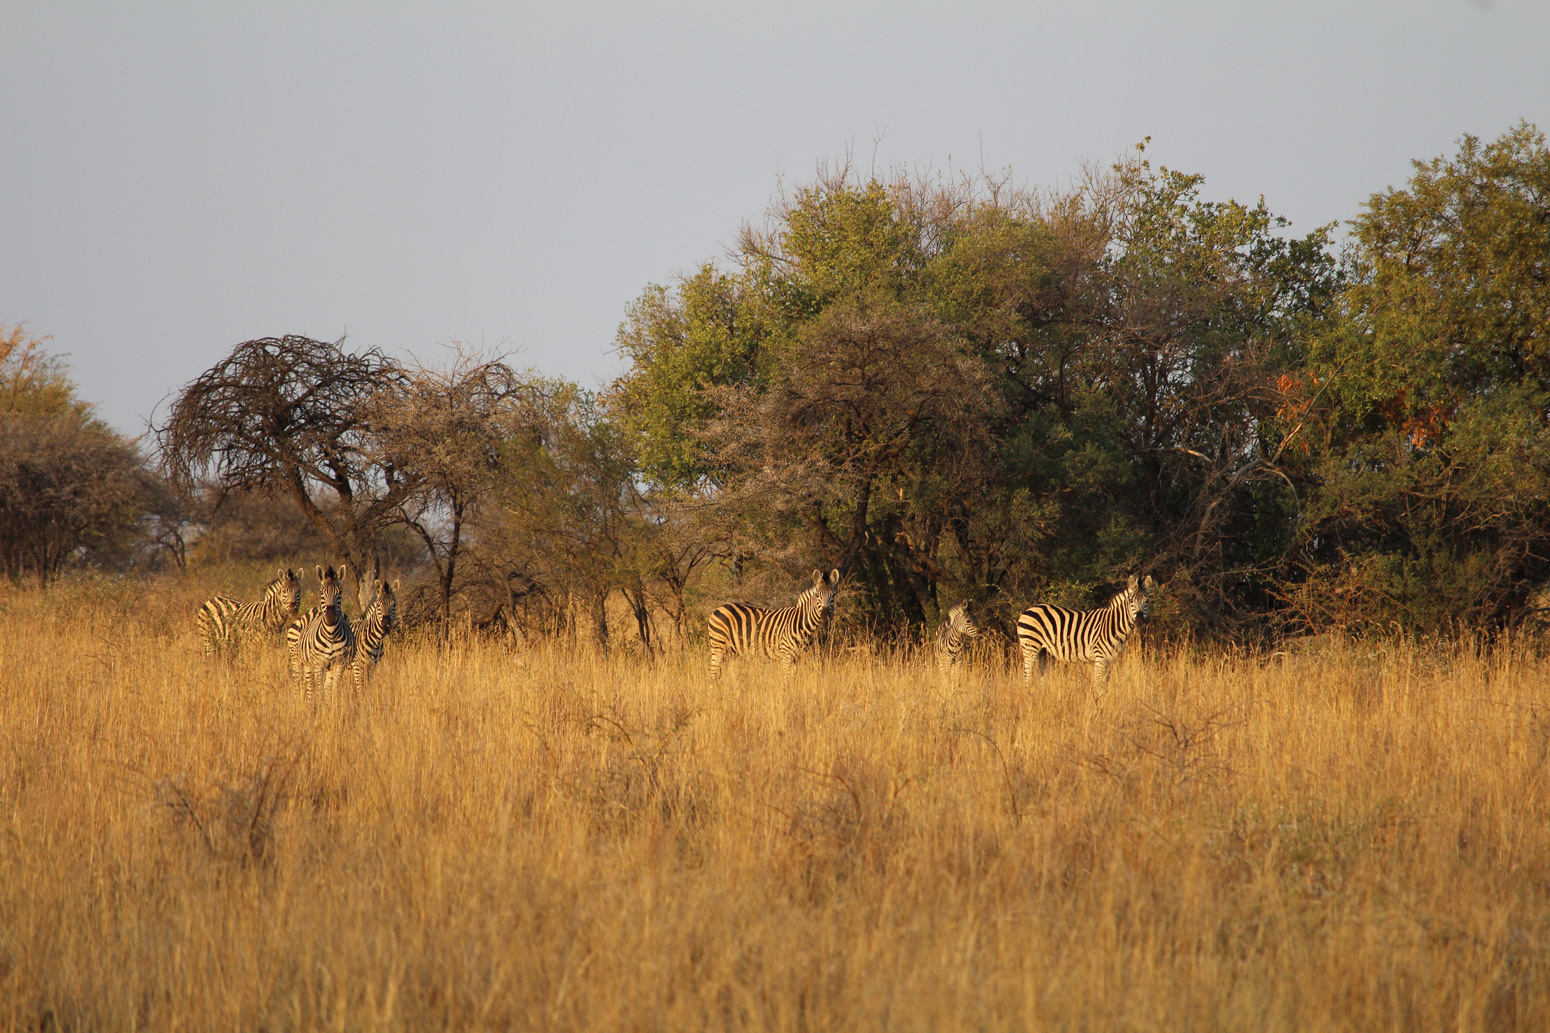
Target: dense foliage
960 390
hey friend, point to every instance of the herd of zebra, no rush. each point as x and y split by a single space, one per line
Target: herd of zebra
321 644
1044 630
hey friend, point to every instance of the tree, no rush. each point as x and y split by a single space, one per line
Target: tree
69 485
450 428
291 415
873 406
1426 401
572 521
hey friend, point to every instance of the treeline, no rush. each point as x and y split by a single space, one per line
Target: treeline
958 389
964 390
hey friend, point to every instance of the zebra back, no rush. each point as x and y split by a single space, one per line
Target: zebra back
782 633
220 618
1073 636
952 638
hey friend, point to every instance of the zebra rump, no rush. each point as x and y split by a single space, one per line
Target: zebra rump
777 634
1082 636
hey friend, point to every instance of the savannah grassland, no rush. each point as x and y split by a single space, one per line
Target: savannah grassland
1347 837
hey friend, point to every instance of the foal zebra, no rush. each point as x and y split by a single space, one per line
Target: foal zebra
952 638
1095 636
379 622
775 634
221 618
321 643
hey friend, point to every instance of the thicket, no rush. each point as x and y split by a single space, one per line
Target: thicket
955 388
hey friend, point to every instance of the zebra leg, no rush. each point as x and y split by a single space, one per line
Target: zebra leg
1101 671
717 653
1030 657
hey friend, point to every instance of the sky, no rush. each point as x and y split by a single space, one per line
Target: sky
179 178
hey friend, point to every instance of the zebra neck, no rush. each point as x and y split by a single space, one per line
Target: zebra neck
809 616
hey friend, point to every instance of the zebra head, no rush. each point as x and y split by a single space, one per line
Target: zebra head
288 590
1135 597
959 620
386 604
330 591
823 592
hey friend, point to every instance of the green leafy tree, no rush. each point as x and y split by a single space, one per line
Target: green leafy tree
1426 399
957 383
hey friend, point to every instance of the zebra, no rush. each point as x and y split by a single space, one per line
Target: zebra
952 638
1096 636
775 634
321 644
222 617
380 620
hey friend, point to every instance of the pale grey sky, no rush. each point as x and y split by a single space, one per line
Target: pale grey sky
178 178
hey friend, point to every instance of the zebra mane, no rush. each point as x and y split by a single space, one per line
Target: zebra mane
1123 596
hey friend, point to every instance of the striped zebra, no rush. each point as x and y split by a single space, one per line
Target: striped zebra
775 634
952 638
380 620
220 619
320 643
1093 636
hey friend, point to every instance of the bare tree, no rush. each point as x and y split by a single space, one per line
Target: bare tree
451 427
290 415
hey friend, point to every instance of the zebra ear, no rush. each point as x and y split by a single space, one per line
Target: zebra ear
1150 584
834 576
817 576
320 572
395 586
1135 582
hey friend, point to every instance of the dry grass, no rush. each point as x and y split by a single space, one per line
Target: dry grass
1335 841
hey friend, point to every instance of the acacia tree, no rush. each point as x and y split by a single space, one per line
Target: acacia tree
290 415
1204 308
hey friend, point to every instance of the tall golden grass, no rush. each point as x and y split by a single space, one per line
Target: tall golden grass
1348 839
